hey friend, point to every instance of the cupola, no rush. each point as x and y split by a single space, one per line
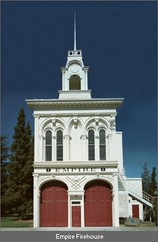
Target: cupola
74 75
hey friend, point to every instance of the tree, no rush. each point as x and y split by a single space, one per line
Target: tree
153 183
28 168
150 186
19 192
146 179
4 158
153 192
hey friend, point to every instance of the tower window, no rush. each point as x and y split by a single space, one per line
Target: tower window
75 83
59 145
91 145
48 145
102 144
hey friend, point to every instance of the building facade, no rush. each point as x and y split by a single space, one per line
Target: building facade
78 173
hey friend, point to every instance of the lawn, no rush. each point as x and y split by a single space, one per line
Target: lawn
14 222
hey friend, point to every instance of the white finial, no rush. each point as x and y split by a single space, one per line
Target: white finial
74 31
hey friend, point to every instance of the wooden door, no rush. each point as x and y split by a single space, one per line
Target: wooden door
54 205
135 211
98 204
76 216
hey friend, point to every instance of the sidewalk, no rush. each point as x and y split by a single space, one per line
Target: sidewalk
85 229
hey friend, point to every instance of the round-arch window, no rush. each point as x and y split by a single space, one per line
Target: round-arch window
48 145
91 145
59 145
102 144
75 82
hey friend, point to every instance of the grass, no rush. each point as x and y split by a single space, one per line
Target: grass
147 224
14 222
143 224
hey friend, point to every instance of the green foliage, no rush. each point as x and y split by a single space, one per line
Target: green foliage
149 180
146 179
150 186
19 193
153 183
4 174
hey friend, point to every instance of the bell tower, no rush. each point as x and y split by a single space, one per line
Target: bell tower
74 75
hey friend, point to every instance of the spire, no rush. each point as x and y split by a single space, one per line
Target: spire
74 31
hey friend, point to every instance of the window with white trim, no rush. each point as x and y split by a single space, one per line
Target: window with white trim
102 144
59 145
48 144
91 145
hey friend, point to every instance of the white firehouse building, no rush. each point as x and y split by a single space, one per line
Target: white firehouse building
79 178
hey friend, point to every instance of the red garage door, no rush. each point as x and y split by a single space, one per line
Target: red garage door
98 204
54 204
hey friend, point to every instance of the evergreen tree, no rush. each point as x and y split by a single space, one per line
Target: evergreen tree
153 192
28 169
3 184
146 179
19 192
150 186
153 183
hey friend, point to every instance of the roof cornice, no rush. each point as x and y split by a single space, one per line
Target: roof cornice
110 103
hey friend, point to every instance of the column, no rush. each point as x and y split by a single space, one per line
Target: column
36 153
66 148
97 156
82 211
41 148
69 211
63 77
54 148
84 147
108 149
115 203
36 200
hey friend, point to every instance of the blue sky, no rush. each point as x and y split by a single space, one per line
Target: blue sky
119 44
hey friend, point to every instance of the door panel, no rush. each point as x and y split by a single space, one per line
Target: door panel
76 216
135 211
98 204
54 204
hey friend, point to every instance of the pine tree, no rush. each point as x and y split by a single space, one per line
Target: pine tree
153 192
146 179
153 183
150 187
19 192
3 184
28 168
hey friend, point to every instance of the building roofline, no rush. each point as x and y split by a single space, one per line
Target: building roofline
77 103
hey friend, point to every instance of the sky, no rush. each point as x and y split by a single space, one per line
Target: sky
118 42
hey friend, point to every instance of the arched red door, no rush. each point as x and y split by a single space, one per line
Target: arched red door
98 204
54 204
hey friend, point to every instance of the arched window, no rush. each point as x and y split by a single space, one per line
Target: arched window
59 145
75 83
102 144
91 145
48 145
